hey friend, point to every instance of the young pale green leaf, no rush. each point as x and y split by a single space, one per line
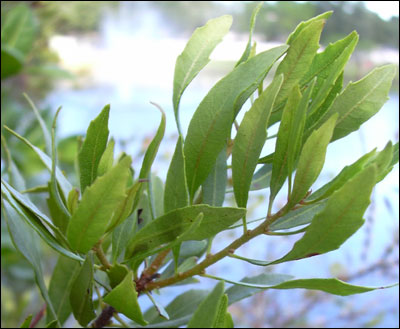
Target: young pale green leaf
250 140
395 158
247 52
61 180
196 55
340 219
213 188
124 299
121 236
251 285
93 148
299 57
360 100
211 124
206 314
72 200
382 161
107 159
98 204
279 164
176 193
171 225
183 305
311 160
301 216
81 293
28 243
27 322
60 286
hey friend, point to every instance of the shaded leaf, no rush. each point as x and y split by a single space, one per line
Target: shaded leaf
121 236
116 274
211 123
261 178
195 56
93 148
160 309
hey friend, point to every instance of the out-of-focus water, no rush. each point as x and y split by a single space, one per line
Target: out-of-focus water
135 66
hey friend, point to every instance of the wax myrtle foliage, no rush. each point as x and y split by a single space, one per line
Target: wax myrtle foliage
114 234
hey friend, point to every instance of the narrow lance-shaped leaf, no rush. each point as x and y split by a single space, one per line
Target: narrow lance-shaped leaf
169 226
211 124
213 188
99 201
124 299
247 52
261 178
250 140
27 322
92 148
121 235
311 160
279 164
61 180
299 58
81 293
360 100
60 286
207 312
196 55
176 193
340 219
107 159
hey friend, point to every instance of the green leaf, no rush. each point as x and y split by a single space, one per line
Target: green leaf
121 236
93 148
247 52
116 274
52 324
207 312
176 192
213 188
60 286
340 219
160 309
61 180
311 160
169 226
27 243
251 285
19 29
156 193
183 305
211 123
195 56
59 218
107 159
99 202
72 200
360 100
279 164
297 217
27 322
124 299
261 178
299 57
221 313
250 140
81 293
12 61
382 161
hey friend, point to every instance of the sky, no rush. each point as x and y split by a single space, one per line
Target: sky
385 9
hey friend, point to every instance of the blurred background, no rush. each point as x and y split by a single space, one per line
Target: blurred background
82 55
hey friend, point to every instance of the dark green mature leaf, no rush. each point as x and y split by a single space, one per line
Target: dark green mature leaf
213 188
340 219
360 100
27 242
81 293
247 52
251 285
211 123
61 180
206 314
250 140
19 29
176 191
93 148
195 56
301 216
299 57
311 160
169 226
279 164
99 201
124 299
12 61
58 217
60 286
